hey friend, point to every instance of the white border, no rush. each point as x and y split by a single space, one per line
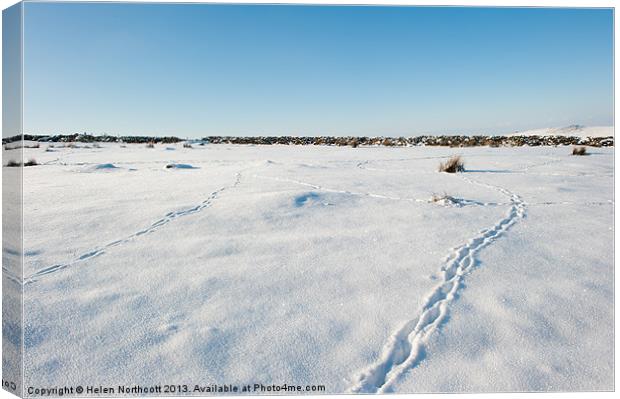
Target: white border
476 3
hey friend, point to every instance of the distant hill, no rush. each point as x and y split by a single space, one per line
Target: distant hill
569 131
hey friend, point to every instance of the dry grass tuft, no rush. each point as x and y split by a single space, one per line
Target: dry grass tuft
14 164
452 165
445 200
440 197
580 151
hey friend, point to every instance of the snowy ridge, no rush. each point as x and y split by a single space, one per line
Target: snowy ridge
406 347
169 217
572 130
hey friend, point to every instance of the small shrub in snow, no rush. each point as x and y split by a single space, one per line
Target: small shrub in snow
452 165
445 200
438 197
580 151
18 146
187 145
150 145
14 164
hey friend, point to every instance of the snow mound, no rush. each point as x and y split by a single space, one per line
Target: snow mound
309 199
102 167
106 166
180 166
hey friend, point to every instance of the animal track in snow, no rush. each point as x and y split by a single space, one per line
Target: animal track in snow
406 347
332 190
169 217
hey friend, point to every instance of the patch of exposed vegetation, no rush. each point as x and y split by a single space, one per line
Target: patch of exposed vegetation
452 165
580 151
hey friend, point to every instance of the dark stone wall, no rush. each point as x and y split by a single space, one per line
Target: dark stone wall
448 141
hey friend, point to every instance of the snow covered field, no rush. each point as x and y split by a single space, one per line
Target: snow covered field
319 265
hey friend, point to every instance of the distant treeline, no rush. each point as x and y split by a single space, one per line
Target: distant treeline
449 141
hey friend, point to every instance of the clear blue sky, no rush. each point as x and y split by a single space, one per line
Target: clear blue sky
195 70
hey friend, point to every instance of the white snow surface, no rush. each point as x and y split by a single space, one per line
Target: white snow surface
572 130
319 265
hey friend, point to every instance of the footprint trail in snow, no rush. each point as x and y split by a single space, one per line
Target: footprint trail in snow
406 347
169 217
